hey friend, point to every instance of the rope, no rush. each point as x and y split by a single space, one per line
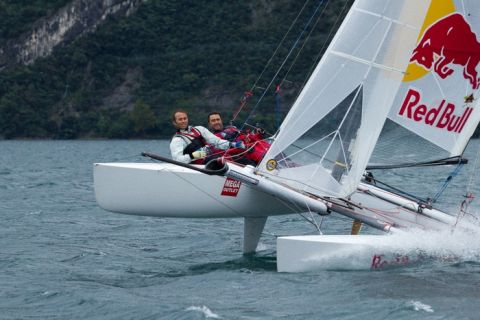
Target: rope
243 102
447 181
313 222
201 190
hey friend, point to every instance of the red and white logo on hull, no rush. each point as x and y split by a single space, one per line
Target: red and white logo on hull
442 116
231 187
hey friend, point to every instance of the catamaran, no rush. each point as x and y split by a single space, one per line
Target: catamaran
404 66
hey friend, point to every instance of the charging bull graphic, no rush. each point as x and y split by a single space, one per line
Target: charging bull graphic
452 41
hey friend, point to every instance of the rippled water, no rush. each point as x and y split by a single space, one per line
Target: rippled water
62 257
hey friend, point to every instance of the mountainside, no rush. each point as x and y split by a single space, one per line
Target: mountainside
65 25
118 68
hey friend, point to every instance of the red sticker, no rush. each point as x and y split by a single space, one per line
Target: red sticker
231 187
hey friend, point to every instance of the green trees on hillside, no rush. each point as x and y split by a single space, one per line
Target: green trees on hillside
125 79
17 16
143 118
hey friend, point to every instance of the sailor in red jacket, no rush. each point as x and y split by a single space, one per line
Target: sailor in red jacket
255 146
190 144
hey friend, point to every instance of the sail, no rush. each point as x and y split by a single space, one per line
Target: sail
438 97
326 140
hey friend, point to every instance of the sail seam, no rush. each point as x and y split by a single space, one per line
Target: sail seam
386 18
366 62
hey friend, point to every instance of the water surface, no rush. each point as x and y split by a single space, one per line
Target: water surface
63 257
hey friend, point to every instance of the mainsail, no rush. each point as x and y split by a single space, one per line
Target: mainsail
326 140
438 98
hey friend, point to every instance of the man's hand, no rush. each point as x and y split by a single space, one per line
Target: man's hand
230 136
199 154
260 131
238 145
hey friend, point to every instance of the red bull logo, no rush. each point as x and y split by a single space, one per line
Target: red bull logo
451 41
442 116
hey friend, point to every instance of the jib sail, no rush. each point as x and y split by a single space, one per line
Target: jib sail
326 140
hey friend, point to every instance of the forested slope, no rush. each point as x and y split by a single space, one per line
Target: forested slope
125 79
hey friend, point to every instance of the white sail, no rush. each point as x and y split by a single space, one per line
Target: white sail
438 99
325 142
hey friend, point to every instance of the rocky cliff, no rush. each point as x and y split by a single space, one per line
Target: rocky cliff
74 20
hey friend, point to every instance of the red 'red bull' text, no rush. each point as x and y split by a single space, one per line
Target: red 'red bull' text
442 117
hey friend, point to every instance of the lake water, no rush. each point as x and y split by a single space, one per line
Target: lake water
63 257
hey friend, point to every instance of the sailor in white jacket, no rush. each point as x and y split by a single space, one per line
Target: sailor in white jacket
188 143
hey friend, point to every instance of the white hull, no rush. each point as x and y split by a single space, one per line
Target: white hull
339 252
166 190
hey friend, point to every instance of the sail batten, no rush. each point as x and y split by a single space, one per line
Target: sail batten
386 18
366 62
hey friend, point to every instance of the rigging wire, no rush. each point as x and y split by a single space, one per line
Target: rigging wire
468 197
304 43
314 222
279 45
447 181
249 93
320 53
201 190
474 172
279 86
312 219
284 61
